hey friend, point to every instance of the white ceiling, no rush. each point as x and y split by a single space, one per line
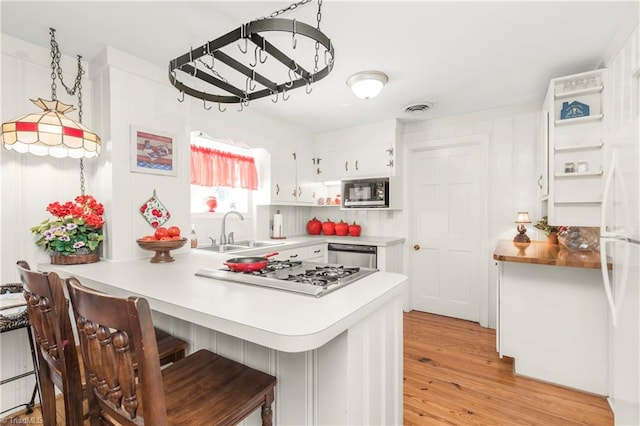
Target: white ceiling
462 56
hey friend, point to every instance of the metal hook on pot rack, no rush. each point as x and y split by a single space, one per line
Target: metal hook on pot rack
204 101
294 42
308 89
243 34
249 81
295 70
179 99
276 99
262 61
220 107
255 57
284 95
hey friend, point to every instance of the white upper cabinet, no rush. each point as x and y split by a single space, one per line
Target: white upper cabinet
292 180
364 151
368 161
576 108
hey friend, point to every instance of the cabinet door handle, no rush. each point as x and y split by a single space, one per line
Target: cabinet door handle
294 156
293 256
416 247
294 192
390 163
317 251
299 191
540 182
318 171
356 164
346 166
390 151
277 189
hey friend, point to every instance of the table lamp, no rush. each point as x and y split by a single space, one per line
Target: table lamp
523 217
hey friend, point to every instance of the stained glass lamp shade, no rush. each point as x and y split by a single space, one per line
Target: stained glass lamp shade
50 132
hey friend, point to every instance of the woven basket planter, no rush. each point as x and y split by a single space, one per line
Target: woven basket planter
74 259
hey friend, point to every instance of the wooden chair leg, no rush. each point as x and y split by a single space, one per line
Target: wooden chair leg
267 412
47 396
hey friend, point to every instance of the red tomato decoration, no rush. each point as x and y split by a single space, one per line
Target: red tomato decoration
328 227
165 239
148 238
314 226
173 231
355 230
342 228
176 237
161 232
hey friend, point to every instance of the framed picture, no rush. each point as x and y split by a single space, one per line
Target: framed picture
153 152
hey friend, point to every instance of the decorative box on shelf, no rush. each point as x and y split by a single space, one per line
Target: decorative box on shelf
573 110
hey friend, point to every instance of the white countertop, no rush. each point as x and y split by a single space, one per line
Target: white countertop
276 319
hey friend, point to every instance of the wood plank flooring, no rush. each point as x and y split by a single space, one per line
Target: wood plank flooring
453 376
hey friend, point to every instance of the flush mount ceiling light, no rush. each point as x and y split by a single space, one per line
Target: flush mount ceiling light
51 132
367 84
208 67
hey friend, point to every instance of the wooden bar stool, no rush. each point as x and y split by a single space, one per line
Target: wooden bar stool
59 358
203 388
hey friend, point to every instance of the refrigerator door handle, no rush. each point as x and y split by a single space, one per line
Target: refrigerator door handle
606 281
605 197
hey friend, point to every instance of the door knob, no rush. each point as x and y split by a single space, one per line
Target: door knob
416 247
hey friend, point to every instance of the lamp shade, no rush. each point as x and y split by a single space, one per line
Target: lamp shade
523 217
50 132
367 84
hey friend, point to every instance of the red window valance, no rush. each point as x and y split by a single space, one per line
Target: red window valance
212 167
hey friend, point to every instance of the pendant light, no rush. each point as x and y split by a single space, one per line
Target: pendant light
51 132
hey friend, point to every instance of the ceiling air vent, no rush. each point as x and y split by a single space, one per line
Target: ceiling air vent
418 107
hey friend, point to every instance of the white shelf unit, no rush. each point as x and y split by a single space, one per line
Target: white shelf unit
576 150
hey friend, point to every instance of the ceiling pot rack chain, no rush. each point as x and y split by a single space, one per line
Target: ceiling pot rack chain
298 76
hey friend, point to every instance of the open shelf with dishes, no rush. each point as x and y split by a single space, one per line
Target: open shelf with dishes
576 148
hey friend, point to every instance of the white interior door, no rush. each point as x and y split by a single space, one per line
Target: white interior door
446 265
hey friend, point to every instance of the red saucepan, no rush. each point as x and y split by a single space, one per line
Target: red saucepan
248 264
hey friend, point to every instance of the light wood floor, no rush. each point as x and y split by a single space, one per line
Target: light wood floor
453 376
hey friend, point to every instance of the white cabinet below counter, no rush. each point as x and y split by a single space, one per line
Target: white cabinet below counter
316 253
553 321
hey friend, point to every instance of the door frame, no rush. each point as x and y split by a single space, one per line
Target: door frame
482 140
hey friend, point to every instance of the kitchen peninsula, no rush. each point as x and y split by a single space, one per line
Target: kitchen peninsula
552 313
338 358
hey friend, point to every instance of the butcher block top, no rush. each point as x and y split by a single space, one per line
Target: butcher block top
543 253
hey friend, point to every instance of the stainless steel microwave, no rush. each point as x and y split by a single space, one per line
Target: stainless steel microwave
373 193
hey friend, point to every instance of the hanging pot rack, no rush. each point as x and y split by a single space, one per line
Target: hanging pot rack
251 31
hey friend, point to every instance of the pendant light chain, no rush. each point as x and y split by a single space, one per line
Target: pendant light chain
56 71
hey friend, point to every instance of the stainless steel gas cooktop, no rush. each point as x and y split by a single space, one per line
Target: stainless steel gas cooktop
304 277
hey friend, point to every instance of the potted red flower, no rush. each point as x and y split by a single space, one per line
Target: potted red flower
75 234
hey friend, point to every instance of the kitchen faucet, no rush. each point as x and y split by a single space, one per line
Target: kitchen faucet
223 237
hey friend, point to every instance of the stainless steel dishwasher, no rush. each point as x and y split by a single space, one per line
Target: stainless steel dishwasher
353 255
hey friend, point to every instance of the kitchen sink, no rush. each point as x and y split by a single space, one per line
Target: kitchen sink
224 248
239 245
256 244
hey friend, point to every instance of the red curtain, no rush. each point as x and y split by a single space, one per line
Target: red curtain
211 167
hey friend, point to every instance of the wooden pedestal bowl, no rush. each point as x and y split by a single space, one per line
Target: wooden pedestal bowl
162 248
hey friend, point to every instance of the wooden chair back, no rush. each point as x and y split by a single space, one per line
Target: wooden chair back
110 329
48 311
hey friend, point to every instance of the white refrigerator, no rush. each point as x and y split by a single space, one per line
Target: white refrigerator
620 245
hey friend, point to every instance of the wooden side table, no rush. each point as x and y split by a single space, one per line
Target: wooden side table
16 321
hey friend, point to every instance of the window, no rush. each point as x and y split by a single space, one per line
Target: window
221 169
